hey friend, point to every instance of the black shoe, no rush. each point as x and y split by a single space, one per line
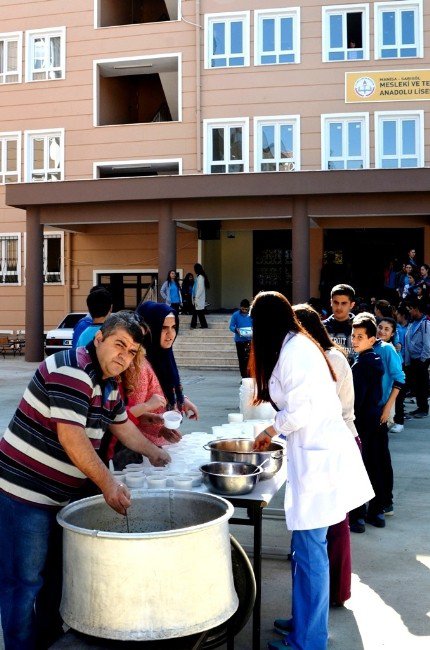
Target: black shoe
283 625
420 414
376 520
414 412
358 526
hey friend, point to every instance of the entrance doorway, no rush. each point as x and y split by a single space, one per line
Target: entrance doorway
365 253
272 261
129 289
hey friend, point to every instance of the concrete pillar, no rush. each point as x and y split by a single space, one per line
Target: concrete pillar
166 244
300 250
34 287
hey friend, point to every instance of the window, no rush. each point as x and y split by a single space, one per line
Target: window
398 29
345 33
10 58
10 258
226 146
10 157
137 90
133 168
53 254
109 13
277 36
44 151
345 141
277 144
46 54
227 40
399 139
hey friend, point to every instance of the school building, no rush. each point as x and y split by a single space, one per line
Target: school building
137 136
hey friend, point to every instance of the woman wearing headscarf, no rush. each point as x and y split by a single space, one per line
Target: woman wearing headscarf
325 473
163 324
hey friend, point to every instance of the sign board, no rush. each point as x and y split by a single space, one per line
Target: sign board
387 86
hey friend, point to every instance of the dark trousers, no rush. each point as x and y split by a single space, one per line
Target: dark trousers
418 380
339 557
399 407
374 447
387 468
243 348
202 319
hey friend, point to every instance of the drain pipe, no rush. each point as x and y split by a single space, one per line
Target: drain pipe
198 91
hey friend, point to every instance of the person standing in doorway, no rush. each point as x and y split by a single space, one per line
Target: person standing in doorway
241 326
187 294
201 283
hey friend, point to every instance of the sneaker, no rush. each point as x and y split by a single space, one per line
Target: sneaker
278 644
420 414
377 520
414 412
283 625
358 526
408 417
389 511
410 401
397 428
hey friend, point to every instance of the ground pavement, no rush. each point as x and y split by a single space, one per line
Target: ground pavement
390 605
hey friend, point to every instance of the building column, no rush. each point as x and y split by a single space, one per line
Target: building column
300 250
166 244
34 287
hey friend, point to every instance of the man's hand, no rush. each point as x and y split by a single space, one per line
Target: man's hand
117 496
159 457
151 418
171 435
385 413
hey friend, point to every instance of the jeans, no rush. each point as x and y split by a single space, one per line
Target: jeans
27 534
310 571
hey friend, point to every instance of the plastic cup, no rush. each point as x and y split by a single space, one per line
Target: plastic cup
156 482
183 483
196 478
170 478
172 419
235 417
132 481
217 431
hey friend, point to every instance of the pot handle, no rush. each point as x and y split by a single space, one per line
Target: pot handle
278 454
206 446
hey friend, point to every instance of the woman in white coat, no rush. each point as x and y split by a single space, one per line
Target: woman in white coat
201 283
326 477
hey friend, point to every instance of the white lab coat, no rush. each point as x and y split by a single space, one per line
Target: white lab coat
199 293
326 477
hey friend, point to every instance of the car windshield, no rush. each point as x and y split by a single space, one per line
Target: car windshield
70 321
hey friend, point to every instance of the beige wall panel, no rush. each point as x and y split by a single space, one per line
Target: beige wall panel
236 278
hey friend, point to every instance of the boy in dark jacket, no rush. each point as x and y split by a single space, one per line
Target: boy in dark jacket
367 373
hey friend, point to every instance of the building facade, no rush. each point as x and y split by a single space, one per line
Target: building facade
99 95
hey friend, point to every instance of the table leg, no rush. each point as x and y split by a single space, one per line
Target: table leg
256 617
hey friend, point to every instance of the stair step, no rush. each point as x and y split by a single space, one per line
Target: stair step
208 346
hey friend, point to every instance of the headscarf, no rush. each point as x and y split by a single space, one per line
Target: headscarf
162 361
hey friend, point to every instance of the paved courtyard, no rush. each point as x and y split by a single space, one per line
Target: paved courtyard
390 605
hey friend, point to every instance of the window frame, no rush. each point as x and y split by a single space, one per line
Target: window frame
30 34
125 163
259 16
325 25
398 7
46 273
326 118
208 124
261 120
28 150
3 236
419 136
229 17
7 136
7 37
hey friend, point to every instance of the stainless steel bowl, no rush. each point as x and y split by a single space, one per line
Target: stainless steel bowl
230 479
240 450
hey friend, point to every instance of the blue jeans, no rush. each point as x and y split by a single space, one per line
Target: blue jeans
27 534
310 571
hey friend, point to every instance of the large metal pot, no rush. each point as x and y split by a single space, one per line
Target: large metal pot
240 450
230 479
170 576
